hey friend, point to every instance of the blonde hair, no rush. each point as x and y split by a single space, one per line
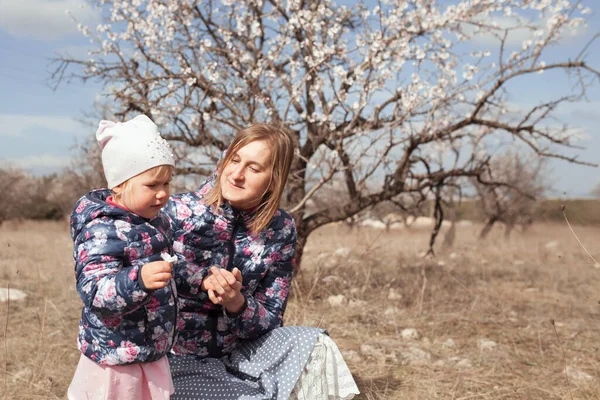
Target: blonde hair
282 153
126 189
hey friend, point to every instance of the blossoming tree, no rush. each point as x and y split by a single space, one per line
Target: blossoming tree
388 97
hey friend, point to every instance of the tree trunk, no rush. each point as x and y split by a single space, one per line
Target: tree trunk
487 228
450 235
295 193
300 243
508 228
438 216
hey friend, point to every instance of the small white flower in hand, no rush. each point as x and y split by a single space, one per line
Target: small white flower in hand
168 258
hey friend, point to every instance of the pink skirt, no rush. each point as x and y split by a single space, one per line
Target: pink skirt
93 381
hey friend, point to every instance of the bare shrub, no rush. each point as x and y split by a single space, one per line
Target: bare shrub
524 180
595 192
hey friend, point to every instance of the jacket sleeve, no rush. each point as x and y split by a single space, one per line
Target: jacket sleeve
188 272
188 276
263 310
105 286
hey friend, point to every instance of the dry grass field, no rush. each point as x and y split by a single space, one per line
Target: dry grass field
481 313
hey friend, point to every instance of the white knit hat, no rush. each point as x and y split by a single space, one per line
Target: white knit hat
130 148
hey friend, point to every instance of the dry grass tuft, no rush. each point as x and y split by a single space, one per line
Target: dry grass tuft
502 292
499 291
40 339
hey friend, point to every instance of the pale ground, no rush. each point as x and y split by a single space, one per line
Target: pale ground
482 312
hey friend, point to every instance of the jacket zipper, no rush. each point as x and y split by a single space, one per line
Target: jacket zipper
174 295
231 244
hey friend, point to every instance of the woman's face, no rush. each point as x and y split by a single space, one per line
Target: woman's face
246 178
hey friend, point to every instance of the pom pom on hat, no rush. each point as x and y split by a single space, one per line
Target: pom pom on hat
130 148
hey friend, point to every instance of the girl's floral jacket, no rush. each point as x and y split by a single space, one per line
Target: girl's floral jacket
121 322
202 237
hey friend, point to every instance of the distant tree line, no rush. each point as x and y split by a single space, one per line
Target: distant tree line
25 196
52 197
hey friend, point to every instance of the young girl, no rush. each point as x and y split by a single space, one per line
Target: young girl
120 235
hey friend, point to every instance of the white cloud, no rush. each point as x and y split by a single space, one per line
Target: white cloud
43 161
77 52
18 125
45 19
581 110
579 113
565 114
516 36
81 52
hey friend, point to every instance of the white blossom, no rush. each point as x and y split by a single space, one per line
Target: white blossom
329 65
190 81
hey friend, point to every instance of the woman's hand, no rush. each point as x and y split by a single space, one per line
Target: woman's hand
225 288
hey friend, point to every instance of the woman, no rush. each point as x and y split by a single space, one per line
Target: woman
236 259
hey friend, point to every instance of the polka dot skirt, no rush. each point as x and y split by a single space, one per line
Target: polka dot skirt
264 368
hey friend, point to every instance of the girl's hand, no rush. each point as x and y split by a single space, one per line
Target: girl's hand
156 275
225 288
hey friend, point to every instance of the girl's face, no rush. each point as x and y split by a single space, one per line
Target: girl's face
247 176
145 193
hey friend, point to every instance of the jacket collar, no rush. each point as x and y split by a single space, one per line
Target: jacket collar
245 215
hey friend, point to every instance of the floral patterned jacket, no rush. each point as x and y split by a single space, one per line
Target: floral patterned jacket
121 322
203 237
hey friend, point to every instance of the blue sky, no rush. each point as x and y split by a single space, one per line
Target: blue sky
39 127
